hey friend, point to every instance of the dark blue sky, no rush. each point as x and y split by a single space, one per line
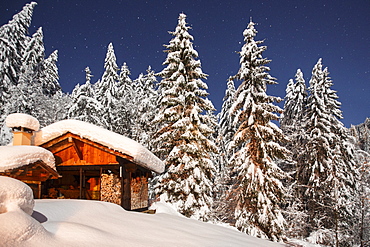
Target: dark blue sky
296 33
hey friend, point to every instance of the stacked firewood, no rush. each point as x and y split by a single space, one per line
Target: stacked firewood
139 192
110 188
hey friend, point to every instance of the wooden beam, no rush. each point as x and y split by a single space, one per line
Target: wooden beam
55 141
19 172
59 147
88 167
78 151
130 167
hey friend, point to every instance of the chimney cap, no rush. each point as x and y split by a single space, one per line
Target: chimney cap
22 120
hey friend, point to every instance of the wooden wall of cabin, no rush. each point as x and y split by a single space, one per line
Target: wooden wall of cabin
76 152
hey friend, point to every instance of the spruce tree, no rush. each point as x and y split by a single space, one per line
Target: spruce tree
84 105
146 101
183 138
32 59
53 108
291 122
259 189
49 76
360 138
327 178
363 222
107 89
12 45
224 205
126 106
295 102
226 128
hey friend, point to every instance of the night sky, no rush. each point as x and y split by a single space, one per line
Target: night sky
296 33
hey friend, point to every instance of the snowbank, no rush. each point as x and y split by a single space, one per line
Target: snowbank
86 223
17 156
15 194
22 120
17 226
122 144
93 223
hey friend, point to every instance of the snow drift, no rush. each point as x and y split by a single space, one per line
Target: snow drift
95 223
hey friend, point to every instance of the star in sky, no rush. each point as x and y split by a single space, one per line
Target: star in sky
296 36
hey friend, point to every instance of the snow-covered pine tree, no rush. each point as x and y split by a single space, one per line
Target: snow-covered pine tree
259 189
295 103
26 94
291 123
224 202
12 43
327 178
124 79
84 105
107 89
363 229
32 59
126 111
53 108
360 138
226 128
19 26
49 76
345 172
291 120
183 137
146 101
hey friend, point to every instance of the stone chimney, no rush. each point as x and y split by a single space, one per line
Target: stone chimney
23 127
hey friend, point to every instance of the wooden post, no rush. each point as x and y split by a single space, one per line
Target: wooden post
39 190
125 187
122 183
80 183
101 172
127 190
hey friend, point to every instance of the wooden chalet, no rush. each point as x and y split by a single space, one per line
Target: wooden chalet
96 164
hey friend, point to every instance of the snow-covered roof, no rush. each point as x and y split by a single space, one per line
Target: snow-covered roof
16 156
114 141
22 120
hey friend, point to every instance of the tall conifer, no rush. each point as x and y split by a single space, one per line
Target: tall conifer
183 137
84 105
107 89
259 190
327 177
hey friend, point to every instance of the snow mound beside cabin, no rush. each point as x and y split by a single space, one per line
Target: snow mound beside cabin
117 142
17 226
15 194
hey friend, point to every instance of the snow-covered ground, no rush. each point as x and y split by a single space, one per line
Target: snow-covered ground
94 223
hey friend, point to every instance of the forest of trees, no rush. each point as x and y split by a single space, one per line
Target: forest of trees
273 173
